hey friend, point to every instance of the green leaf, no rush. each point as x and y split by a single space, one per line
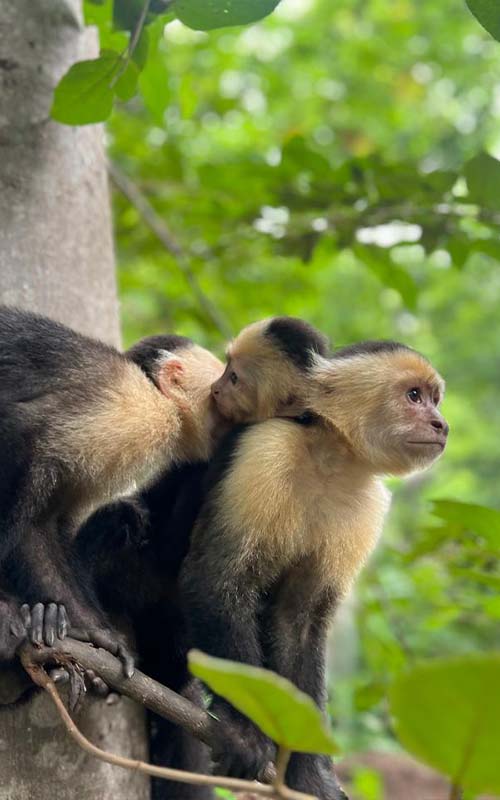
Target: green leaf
205 15
483 180
379 260
480 519
487 12
285 714
85 95
126 85
447 713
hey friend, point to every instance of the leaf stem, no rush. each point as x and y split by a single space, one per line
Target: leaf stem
136 34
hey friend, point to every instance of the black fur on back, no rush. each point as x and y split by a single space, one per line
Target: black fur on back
370 347
145 353
297 339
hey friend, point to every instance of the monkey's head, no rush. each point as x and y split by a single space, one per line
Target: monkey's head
384 399
267 368
185 372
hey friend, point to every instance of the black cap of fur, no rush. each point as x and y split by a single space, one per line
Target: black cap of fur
368 348
145 352
297 340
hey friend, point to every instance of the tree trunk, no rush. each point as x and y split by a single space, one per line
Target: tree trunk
56 257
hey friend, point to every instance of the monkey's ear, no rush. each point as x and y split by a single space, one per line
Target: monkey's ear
170 373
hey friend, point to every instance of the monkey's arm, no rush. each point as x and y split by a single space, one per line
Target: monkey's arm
222 606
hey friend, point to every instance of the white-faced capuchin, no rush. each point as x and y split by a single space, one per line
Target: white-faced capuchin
134 550
80 425
268 366
292 510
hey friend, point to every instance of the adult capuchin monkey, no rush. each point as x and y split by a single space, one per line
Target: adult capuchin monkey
291 513
80 425
134 549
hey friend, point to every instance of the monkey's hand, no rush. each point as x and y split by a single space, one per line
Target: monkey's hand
241 750
109 640
12 629
45 622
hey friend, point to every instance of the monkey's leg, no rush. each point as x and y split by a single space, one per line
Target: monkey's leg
222 606
295 646
170 746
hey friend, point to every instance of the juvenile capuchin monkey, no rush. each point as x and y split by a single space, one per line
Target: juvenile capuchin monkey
267 371
292 510
82 424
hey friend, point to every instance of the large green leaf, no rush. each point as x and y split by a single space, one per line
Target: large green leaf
447 713
285 714
487 12
85 94
483 179
480 519
205 15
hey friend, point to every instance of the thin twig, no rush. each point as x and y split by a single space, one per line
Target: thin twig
136 33
282 760
40 677
157 225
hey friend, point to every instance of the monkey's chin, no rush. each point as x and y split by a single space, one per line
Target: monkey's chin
422 455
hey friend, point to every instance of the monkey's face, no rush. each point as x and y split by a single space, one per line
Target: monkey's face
387 407
259 381
186 376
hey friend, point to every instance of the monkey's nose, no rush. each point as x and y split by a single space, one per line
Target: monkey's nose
215 390
440 425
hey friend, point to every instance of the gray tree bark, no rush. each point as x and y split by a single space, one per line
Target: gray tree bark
56 257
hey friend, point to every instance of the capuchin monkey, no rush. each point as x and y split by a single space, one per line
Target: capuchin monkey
82 424
135 548
267 371
292 510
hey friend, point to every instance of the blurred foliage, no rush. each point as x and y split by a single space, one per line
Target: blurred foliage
337 161
455 723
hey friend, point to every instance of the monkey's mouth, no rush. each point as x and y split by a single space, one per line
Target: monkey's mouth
434 443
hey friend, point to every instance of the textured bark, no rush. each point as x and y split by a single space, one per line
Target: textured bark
56 253
56 257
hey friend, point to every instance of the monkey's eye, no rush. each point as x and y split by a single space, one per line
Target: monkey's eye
233 378
414 395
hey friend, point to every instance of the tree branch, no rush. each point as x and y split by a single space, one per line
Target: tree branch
32 659
157 225
140 687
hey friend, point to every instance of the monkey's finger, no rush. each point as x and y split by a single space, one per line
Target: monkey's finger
37 616
59 676
26 616
127 660
62 622
96 683
50 624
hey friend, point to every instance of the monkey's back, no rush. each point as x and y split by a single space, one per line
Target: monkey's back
39 356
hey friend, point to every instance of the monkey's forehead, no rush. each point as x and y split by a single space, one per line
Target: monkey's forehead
384 368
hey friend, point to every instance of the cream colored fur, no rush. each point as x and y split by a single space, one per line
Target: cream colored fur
296 492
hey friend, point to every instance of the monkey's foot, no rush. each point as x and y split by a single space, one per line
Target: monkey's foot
109 640
45 622
243 751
